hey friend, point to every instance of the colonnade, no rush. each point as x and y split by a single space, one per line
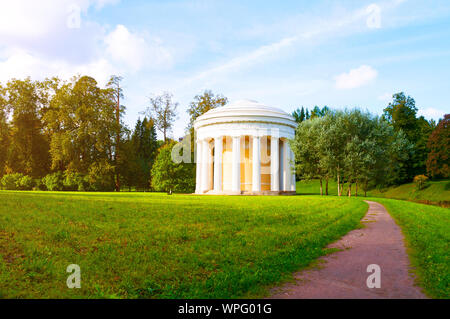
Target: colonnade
282 175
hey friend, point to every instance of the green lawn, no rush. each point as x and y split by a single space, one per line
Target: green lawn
427 232
133 245
436 192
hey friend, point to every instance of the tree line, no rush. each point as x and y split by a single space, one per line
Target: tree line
69 135
367 151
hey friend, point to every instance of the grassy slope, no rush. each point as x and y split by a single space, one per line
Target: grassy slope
427 232
154 245
436 192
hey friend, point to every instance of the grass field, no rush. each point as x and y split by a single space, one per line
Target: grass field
141 245
427 232
437 192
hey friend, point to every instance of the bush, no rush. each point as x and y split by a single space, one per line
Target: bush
54 182
26 183
420 181
39 185
11 181
75 182
101 177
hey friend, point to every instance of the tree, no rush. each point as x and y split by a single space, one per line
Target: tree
401 113
308 151
4 131
169 176
438 160
144 148
299 115
199 106
28 147
202 104
163 110
318 112
82 124
350 146
117 93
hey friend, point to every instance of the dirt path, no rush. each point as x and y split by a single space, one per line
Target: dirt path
343 274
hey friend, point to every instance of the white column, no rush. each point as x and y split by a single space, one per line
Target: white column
218 150
286 167
256 175
198 171
274 165
205 166
236 165
292 160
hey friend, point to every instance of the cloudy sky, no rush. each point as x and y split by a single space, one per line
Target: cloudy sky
281 53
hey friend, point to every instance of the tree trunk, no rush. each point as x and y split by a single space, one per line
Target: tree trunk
117 141
339 183
356 188
326 187
321 190
349 192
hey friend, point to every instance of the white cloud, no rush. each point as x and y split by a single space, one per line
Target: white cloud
25 18
21 64
37 42
133 51
431 113
356 77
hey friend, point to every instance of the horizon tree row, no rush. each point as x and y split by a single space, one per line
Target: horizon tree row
428 152
69 135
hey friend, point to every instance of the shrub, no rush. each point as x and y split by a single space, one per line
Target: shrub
54 181
75 182
420 181
101 177
11 181
39 185
26 183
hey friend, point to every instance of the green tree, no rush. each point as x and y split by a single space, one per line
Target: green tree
199 106
438 161
142 151
350 146
4 131
308 150
169 176
116 93
202 104
401 113
164 112
28 146
299 115
320 112
81 121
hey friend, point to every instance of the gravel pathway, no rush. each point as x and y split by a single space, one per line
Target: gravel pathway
343 274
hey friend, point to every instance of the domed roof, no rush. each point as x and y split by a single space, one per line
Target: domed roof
245 111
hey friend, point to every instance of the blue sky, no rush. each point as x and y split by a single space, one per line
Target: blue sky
282 53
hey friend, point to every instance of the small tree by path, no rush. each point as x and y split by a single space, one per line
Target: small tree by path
168 176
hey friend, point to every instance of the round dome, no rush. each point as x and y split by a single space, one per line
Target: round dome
245 111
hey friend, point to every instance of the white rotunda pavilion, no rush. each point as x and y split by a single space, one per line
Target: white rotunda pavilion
243 148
